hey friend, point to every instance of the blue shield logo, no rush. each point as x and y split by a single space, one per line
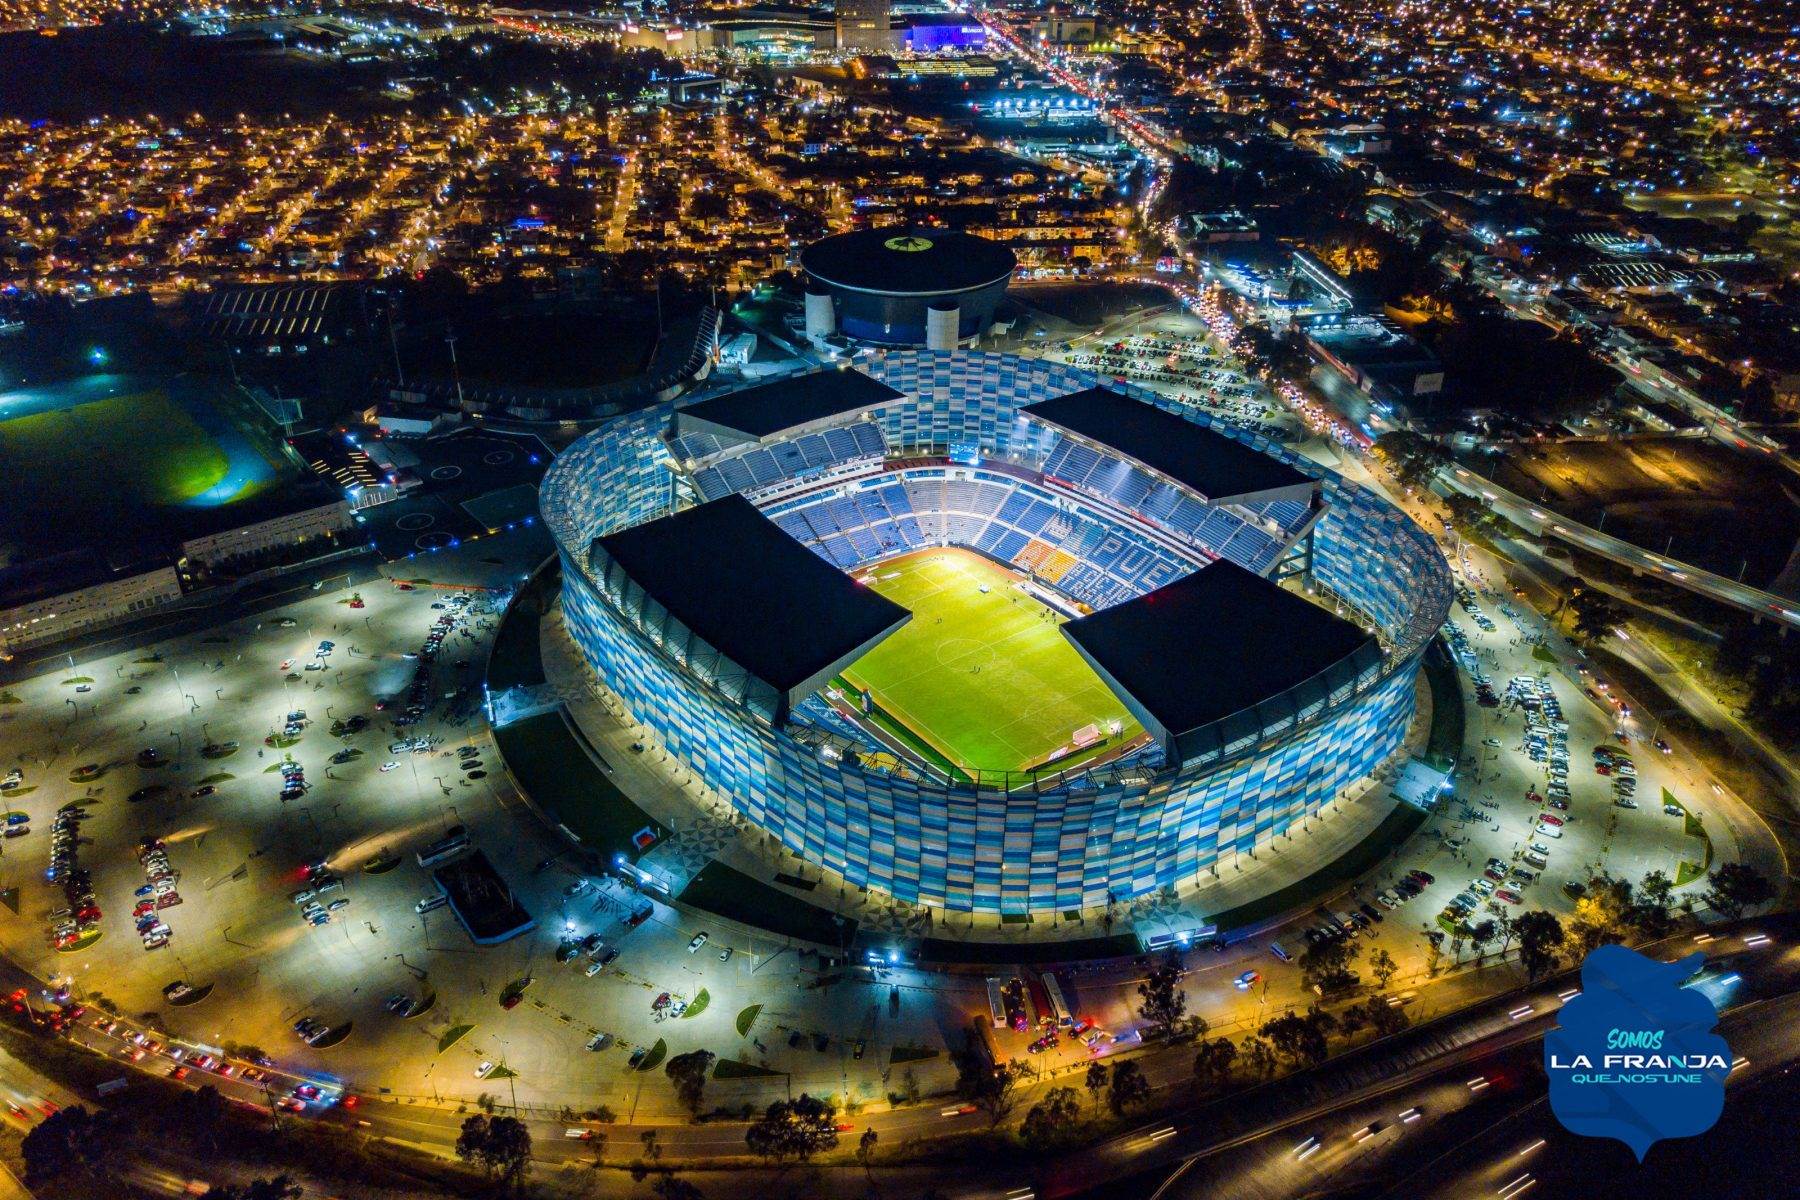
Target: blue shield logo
1634 1057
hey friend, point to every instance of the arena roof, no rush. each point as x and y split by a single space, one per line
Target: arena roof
1216 466
1214 644
731 578
791 404
908 262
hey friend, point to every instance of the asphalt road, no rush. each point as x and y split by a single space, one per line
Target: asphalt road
1394 1118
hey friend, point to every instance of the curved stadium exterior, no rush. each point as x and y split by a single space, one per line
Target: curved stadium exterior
884 282
1057 840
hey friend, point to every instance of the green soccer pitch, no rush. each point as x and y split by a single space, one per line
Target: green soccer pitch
985 679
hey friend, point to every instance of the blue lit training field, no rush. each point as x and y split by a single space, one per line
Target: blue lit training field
985 679
115 457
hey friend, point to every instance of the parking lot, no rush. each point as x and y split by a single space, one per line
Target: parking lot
287 777
1172 355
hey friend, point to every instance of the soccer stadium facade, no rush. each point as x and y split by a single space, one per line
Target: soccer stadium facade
944 454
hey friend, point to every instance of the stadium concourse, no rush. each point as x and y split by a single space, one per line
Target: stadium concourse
1251 627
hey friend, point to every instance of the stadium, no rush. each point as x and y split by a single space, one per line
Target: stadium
936 288
974 631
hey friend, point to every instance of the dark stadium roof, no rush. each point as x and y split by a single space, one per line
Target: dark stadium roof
908 262
1211 644
757 412
751 592
1209 462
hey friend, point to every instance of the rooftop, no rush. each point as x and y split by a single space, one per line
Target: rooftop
739 583
1212 644
908 262
754 413
1210 463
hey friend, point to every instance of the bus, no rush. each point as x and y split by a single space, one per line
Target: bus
996 1002
445 848
1059 1007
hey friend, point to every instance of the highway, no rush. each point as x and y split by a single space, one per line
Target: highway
1423 1113
1524 513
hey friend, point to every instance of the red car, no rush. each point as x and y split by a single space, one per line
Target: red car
179 1073
1549 819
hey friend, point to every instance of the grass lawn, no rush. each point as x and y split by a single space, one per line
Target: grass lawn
732 1068
453 1035
1689 872
985 678
906 1054
544 756
730 893
1543 655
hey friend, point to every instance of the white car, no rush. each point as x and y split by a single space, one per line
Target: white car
389 766
481 1072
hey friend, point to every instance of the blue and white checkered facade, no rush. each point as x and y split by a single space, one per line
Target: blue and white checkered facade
966 849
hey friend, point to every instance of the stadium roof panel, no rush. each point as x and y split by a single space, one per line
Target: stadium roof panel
737 582
1214 644
1211 463
908 262
785 405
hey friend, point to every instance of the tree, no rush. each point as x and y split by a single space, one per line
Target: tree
199 1114
1540 937
1602 916
1384 1018
1596 614
1213 1060
987 1084
1481 936
673 1187
1300 1038
501 1146
688 1073
865 1151
1051 1120
1414 457
796 1129
1434 949
1326 965
1383 967
1651 913
281 1187
1259 1057
1161 1002
1736 888
1129 1087
69 1139
1504 926
1096 1080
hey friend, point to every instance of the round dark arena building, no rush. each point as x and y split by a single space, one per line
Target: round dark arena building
935 288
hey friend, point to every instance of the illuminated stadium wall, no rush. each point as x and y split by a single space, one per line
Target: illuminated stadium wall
990 851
